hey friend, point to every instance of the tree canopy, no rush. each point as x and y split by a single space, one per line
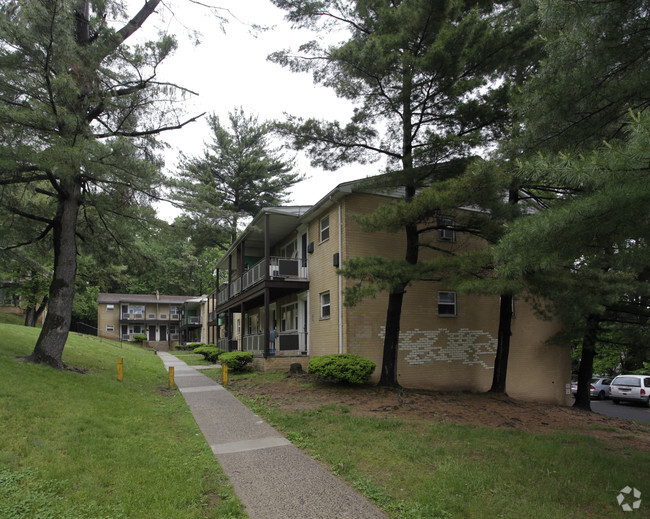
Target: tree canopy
79 110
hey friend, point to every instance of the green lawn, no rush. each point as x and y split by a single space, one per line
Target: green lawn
442 469
78 445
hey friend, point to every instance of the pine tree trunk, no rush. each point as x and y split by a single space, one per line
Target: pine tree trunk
391 340
51 341
583 397
503 346
394 314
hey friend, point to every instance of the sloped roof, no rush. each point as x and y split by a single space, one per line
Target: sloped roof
144 298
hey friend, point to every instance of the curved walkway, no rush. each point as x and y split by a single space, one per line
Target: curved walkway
272 478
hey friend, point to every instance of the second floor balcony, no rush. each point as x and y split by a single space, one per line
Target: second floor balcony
278 268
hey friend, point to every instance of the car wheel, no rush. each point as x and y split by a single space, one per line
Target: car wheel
615 400
601 395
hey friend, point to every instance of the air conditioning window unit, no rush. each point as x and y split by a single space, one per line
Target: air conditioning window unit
164 316
126 316
174 316
152 316
288 267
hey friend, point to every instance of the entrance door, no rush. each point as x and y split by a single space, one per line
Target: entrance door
152 332
163 332
125 332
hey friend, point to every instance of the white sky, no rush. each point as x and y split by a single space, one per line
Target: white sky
231 70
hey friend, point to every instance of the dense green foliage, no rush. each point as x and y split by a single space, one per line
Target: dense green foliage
342 367
236 360
210 352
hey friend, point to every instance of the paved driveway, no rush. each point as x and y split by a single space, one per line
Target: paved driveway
622 410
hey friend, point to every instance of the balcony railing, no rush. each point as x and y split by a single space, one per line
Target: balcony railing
192 320
279 268
287 343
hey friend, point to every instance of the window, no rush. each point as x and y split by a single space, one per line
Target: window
325 228
325 305
447 303
289 318
290 250
110 308
109 328
445 229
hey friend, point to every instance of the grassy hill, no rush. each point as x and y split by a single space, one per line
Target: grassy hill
79 443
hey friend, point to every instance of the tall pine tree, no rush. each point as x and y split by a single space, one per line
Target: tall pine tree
431 80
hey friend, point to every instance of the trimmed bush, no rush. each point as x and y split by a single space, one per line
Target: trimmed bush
236 360
190 346
342 367
139 337
209 352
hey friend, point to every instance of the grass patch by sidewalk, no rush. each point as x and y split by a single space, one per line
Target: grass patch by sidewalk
85 445
441 469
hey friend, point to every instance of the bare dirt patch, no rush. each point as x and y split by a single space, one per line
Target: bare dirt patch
304 392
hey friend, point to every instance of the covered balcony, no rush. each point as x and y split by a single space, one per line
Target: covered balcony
266 263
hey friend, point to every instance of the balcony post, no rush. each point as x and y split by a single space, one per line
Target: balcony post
267 324
267 247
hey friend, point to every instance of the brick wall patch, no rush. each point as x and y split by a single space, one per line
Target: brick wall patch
471 347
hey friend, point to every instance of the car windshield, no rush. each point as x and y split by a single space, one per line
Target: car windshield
627 381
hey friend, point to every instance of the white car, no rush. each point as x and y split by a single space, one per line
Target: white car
630 388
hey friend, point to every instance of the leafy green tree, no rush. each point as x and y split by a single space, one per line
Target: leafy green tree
239 173
431 80
79 110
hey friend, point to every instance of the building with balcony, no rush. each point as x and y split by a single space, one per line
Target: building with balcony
165 320
280 296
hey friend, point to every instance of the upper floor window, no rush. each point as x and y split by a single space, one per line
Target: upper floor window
446 229
110 308
447 303
325 227
137 309
289 250
325 305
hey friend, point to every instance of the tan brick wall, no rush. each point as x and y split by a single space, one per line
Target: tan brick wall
279 363
324 335
105 318
448 353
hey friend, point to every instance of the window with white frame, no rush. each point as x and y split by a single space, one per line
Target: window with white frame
137 309
289 318
325 305
110 308
447 303
110 328
325 228
446 229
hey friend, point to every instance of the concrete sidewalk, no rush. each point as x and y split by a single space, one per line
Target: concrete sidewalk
272 478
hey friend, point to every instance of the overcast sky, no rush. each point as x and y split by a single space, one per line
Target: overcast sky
230 69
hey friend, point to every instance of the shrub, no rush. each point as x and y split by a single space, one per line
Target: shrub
190 346
236 360
209 352
342 367
139 337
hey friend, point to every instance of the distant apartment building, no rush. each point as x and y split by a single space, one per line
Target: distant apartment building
166 320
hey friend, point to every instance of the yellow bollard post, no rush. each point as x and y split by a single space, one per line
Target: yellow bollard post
224 374
120 369
171 376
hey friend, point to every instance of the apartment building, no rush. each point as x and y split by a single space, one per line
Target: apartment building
280 296
166 320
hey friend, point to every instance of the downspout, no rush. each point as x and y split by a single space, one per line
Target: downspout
340 305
